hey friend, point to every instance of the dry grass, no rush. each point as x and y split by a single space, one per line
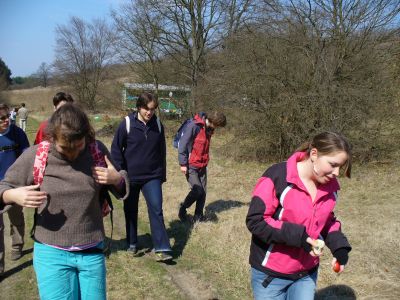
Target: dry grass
38 100
213 256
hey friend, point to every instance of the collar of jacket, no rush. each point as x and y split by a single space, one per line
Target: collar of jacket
199 120
139 124
293 175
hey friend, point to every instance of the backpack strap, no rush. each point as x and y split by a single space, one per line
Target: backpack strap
105 199
159 124
97 155
128 124
39 167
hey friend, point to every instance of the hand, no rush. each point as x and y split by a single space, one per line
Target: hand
184 169
26 196
333 265
341 256
315 244
107 175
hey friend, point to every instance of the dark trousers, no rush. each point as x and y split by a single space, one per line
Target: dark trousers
152 193
197 179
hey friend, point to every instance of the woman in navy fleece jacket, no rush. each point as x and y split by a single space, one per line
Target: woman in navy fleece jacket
142 153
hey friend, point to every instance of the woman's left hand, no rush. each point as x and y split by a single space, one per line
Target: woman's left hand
107 175
334 260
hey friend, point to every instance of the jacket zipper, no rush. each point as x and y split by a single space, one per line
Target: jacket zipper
311 225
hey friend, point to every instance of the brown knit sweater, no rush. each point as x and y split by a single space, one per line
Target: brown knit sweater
72 214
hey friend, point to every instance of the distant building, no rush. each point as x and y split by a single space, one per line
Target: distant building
173 99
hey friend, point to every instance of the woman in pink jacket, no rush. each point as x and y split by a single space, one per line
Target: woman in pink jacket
291 212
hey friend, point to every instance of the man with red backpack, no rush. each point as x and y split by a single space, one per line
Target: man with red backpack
193 157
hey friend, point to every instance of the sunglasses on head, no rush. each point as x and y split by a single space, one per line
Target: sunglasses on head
3 118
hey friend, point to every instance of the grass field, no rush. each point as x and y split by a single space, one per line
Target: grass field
211 257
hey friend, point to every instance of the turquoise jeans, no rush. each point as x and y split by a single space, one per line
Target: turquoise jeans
69 275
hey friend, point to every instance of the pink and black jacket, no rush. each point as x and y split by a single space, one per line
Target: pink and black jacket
280 211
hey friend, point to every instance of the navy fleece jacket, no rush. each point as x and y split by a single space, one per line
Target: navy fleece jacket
142 152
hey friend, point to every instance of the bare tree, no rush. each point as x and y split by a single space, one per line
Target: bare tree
236 14
193 28
307 66
83 50
43 74
138 28
184 30
188 30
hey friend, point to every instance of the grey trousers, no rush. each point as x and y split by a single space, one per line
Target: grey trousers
197 179
17 232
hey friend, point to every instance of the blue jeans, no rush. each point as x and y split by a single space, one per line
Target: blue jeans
69 275
281 289
152 193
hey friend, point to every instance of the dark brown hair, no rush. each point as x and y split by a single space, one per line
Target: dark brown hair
217 118
328 143
144 99
61 96
70 124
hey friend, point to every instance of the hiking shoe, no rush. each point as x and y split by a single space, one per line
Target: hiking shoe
182 214
162 256
132 249
16 254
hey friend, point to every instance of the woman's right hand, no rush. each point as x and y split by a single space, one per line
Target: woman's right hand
26 196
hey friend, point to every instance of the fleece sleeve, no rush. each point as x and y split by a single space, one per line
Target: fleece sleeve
164 153
334 238
261 223
123 192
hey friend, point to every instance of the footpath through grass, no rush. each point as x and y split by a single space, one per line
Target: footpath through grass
211 258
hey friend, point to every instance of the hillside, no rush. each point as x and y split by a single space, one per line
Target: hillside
211 257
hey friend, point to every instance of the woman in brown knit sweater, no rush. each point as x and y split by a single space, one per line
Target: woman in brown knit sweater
69 232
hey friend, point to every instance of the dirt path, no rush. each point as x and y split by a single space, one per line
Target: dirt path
190 286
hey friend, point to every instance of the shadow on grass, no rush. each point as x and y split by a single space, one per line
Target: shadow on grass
16 269
181 231
336 292
20 267
219 206
27 251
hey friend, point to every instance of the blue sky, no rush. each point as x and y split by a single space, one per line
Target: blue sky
27 28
